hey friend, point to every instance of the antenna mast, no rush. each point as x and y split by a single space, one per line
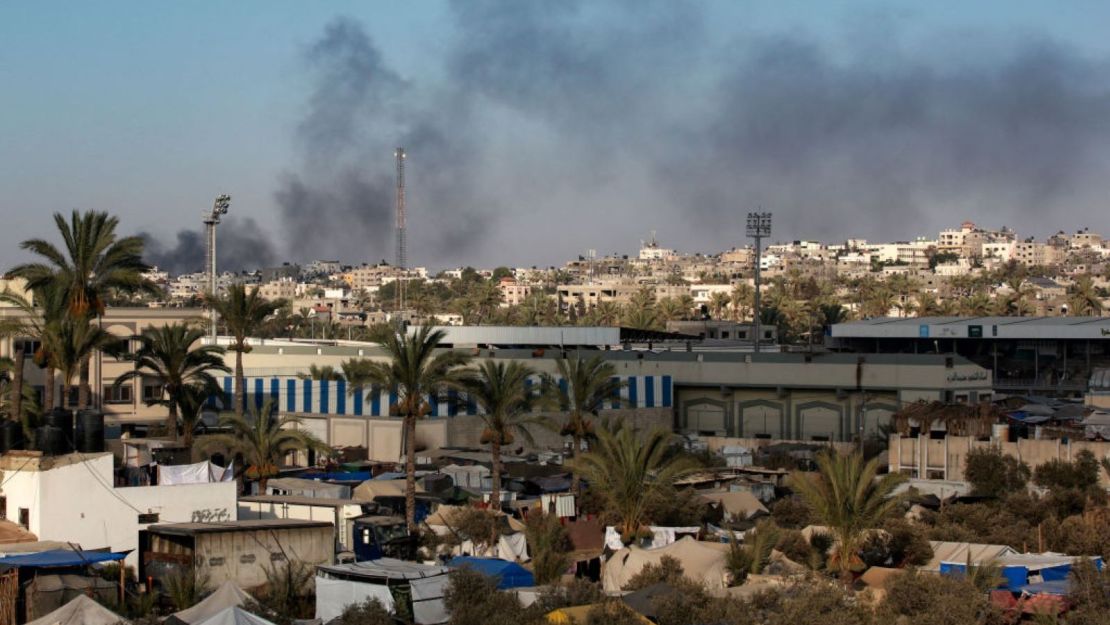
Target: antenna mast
402 260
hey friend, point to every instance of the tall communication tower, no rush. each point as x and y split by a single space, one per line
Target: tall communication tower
759 226
211 220
402 260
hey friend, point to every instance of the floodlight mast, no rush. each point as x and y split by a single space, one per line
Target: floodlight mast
759 226
211 220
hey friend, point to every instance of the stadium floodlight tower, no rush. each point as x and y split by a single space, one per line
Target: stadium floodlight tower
759 226
211 220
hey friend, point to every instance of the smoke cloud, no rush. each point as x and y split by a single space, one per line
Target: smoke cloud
239 245
564 126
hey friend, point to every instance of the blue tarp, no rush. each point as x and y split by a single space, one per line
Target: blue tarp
339 476
58 558
508 574
1057 587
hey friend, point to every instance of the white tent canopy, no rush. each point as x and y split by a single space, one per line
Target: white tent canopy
702 561
962 553
226 596
234 616
81 611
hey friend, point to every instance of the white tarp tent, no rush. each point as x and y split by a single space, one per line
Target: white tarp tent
199 473
81 611
235 616
370 489
702 561
227 595
334 595
962 553
660 536
427 583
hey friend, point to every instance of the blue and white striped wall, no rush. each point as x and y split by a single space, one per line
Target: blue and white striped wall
332 397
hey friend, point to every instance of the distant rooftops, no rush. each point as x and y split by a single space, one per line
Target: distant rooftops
1031 328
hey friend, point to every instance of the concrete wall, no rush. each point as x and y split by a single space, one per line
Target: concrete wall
715 443
944 458
783 413
76 501
380 436
244 557
338 516
466 430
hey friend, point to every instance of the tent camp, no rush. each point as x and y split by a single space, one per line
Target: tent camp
80 611
738 506
1023 569
234 616
702 561
307 488
508 574
228 595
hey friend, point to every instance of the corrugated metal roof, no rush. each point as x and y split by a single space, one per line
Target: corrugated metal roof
190 529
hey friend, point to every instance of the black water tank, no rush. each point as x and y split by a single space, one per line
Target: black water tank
90 431
11 436
50 441
63 420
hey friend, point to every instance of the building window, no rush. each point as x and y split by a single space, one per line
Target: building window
73 393
25 518
121 394
3 507
151 391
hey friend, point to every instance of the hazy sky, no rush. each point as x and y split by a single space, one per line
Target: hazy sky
538 130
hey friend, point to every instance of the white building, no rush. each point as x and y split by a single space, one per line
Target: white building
72 498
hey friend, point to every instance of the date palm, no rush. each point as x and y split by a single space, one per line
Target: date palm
34 314
670 309
847 496
1084 299
92 266
607 313
70 342
264 439
500 389
323 373
718 303
242 312
581 390
415 371
742 298
630 474
173 356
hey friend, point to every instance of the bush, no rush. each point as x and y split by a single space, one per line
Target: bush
370 612
668 570
480 526
184 589
549 545
575 592
902 544
924 599
613 612
286 595
793 545
994 474
791 513
1081 474
473 599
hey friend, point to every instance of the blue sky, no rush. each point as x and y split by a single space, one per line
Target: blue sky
149 109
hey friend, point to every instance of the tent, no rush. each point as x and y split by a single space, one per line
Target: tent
1022 569
199 473
307 488
959 553
508 574
702 561
60 558
234 616
333 596
227 595
642 600
427 583
372 489
738 506
81 611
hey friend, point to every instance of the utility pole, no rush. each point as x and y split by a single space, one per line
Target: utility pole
402 261
759 226
211 220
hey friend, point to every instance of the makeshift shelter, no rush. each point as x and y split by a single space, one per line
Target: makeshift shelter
50 579
737 456
660 536
372 489
473 476
227 595
80 611
508 574
702 561
954 553
198 473
879 577
1023 569
235 616
1097 425
738 506
424 583
642 600
301 487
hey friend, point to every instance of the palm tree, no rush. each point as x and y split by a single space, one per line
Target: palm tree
325 373
639 318
264 439
1016 302
26 408
93 266
35 314
1084 299
70 342
415 371
356 372
501 390
742 298
587 386
630 474
172 356
670 309
846 496
192 398
718 303
242 312
607 313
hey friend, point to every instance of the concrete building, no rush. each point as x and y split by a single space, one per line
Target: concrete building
513 293
73 498
944 458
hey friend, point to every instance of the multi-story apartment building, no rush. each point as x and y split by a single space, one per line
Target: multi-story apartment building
513 293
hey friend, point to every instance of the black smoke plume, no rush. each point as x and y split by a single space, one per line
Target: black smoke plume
239 246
